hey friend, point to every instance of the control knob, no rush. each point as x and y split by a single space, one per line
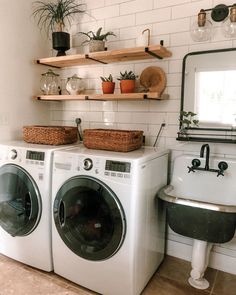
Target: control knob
88 164
13 154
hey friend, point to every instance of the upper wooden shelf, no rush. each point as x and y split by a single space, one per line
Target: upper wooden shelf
106 57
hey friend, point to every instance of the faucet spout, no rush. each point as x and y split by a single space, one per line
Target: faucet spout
207 147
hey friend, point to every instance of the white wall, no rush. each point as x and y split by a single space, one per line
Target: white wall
21 43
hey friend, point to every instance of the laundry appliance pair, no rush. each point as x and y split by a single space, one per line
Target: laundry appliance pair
108 229
25 202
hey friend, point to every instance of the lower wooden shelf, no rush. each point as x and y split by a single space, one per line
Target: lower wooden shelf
105 97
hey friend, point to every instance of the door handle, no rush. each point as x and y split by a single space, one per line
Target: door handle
62 217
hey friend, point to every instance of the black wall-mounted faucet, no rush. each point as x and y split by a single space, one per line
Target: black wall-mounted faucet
205 146
196 163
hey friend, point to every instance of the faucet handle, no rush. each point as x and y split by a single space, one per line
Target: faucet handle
191 169
196 163
222 167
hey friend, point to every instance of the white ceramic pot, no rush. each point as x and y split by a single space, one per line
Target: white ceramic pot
96 45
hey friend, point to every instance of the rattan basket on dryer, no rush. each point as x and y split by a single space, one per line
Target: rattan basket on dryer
52 135
113 140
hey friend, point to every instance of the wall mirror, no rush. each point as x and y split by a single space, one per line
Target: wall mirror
209 90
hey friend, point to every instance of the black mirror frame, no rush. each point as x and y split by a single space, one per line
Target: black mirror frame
198 137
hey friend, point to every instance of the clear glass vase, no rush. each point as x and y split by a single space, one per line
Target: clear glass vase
49 83
74 85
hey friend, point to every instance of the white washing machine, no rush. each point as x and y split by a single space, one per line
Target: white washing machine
25 202
108 231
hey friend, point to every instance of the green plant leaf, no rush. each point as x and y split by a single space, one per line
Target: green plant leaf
51 13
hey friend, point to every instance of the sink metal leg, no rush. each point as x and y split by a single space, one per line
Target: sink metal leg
200 258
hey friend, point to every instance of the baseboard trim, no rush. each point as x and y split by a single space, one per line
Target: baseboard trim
217 260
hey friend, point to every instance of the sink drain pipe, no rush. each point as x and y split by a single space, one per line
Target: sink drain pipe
200 258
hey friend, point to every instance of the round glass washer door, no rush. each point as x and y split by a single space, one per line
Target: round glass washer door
89 218
20 202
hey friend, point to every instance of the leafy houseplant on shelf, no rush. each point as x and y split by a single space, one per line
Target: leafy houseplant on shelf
96 40
127 82
54 16
108 85
187 120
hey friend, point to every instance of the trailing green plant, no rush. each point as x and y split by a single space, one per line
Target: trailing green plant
127 76
107 79
96 35
187 119
53 15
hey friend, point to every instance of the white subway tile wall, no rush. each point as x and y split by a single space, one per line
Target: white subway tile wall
168 20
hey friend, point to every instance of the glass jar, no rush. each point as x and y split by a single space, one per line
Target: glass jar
49 83
74 85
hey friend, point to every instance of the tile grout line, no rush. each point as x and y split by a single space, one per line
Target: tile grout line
214 282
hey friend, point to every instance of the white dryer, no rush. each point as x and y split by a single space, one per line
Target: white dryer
108 231
25 202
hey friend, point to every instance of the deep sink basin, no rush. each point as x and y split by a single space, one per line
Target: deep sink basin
201 204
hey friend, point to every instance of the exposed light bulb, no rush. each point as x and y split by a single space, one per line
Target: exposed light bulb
229 24
201 30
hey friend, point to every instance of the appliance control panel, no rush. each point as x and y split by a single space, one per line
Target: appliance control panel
22 156
88 164
118 166
13 154
35 158
35 155
104 167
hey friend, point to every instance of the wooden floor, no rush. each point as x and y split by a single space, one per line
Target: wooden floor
170 279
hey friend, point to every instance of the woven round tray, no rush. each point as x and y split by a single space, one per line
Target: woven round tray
153 79
52 135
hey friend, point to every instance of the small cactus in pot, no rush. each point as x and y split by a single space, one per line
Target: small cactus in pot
108 85
127 81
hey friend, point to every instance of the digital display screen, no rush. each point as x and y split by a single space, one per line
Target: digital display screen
118 166
33 155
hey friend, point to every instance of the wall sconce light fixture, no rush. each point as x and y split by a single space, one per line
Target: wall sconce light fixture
201 30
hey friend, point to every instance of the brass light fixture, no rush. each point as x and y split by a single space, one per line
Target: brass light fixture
229 24
202 29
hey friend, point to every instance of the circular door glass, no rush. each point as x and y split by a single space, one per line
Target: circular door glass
89 218
20 204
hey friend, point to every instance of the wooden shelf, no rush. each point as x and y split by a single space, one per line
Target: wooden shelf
105 97
106 57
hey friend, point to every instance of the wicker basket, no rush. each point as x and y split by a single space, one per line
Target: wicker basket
113 140
53 135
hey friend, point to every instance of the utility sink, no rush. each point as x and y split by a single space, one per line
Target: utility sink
201 204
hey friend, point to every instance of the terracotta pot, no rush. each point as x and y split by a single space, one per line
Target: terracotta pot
127 86
96 45
108 87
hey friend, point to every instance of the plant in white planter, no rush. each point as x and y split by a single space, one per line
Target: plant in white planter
53 16
96 40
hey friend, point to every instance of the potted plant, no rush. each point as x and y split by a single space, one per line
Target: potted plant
108 85
96 40
187 120
53 16
127 82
